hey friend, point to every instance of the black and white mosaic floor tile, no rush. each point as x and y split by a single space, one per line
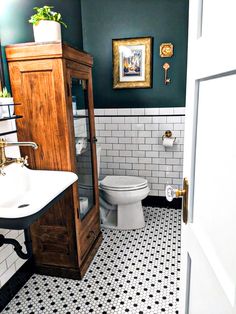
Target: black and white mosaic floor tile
134 272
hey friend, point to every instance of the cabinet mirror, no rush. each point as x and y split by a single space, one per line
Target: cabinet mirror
83 145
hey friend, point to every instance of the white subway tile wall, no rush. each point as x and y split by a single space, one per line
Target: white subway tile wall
131 141
9 261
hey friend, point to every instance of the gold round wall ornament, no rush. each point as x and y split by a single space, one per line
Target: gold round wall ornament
166 50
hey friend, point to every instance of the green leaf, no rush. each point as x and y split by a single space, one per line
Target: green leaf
45 13
4 93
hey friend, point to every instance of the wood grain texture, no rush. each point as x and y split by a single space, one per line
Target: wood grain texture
41 76
53 239
36 51
92 253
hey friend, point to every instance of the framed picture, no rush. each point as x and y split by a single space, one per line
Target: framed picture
132 62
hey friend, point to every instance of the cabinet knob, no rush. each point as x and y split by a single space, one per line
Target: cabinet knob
91 234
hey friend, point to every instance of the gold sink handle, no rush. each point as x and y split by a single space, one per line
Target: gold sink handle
5 161
172 193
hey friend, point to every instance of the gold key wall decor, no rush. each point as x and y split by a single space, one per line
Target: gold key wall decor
166 67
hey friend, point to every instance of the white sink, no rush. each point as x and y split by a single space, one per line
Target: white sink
25 192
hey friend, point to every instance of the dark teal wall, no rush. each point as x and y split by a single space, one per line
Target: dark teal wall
165 20
14 17
103 20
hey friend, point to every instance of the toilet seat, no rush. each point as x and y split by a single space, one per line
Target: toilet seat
123 183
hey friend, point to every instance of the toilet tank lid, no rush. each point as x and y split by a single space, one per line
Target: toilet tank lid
123 182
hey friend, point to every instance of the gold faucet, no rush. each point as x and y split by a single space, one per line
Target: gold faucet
5 161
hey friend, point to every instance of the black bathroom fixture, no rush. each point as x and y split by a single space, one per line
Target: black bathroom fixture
17 246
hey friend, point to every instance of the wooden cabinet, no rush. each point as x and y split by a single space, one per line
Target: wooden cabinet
46 79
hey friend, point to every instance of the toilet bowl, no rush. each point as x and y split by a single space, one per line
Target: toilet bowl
121 203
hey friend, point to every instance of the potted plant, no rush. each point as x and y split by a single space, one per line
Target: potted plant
5 100
46 24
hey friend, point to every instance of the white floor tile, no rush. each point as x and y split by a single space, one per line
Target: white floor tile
133 272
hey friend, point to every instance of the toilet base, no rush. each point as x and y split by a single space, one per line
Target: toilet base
130 216
126 217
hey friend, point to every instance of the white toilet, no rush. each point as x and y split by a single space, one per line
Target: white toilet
120 198
121 202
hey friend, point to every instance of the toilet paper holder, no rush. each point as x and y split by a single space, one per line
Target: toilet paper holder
168 134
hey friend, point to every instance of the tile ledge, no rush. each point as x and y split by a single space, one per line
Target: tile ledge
167 111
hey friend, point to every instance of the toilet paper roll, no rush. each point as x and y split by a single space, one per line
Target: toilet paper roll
168 141
83 204
81 143
79 147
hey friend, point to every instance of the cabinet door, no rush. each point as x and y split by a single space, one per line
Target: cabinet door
85 143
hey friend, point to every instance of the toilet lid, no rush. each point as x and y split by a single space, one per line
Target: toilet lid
123 182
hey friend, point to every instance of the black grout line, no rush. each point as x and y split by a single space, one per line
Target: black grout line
11 118
7 133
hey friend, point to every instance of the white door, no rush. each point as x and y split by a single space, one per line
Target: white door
208 260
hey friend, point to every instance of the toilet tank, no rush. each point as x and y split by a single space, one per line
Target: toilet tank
98 148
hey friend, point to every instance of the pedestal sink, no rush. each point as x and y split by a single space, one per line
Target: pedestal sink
26 194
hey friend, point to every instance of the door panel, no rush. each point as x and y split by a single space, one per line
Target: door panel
83 145
203 279
218 17
215 167
208 240
80 100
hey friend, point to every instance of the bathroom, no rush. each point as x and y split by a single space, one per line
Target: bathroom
132 265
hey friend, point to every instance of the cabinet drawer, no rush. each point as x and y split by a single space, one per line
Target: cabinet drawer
88 236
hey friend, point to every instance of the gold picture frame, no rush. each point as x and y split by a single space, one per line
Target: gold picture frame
166 50
132 62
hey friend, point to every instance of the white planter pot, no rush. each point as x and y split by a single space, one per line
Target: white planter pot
47 31
4 110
